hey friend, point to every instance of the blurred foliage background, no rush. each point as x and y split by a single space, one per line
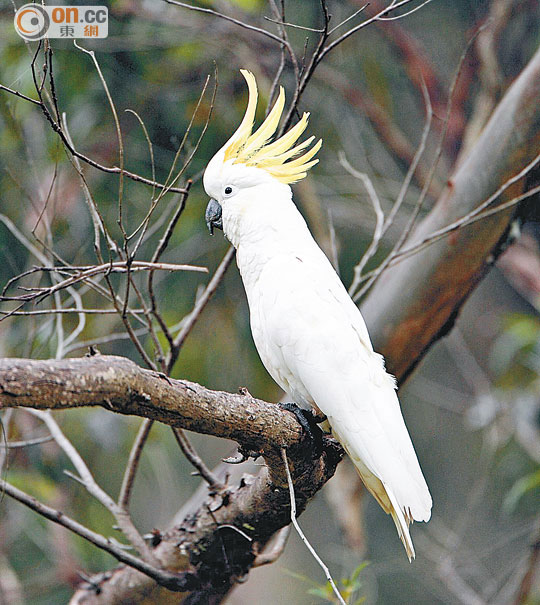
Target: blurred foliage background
473 408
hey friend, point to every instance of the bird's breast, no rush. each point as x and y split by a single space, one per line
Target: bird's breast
266 288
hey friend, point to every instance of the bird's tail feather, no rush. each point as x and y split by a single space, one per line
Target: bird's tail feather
389 503
401 521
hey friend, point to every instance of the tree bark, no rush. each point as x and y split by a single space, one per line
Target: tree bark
119 385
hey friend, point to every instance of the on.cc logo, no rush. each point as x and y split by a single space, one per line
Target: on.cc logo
31 21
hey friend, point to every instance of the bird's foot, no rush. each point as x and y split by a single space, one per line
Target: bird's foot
310 423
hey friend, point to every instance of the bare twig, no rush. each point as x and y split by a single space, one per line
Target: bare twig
90 271
357 280
176 582
406 14
162 245
108 169
379 214
57 127
65 311
189 452
421 198
210 11
295 25
307 73
470 218
416 159
347 19
271 555
448 574
152 310
129 257
144 224
356 28
133 463
11 445
394 139
489 71
435 236
170 181
90 484
97 219
333 244
281 14
198 308
20 95
301 533
43 259
100 340
5 423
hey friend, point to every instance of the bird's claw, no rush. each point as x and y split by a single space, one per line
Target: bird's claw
310 423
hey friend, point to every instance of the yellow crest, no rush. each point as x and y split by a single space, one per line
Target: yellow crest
275 157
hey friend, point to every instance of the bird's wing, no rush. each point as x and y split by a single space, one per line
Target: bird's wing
322 343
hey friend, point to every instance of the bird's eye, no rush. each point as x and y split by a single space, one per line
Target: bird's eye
228 190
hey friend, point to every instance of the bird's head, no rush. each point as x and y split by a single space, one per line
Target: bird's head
251 169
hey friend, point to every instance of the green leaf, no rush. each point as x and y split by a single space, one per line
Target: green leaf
347 586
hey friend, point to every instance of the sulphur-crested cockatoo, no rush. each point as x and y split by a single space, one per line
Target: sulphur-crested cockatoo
310 335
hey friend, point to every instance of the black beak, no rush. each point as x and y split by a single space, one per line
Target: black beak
213 216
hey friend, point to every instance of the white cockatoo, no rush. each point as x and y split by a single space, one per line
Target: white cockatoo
310 335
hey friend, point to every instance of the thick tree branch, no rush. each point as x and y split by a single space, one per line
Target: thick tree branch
118 384
416 302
